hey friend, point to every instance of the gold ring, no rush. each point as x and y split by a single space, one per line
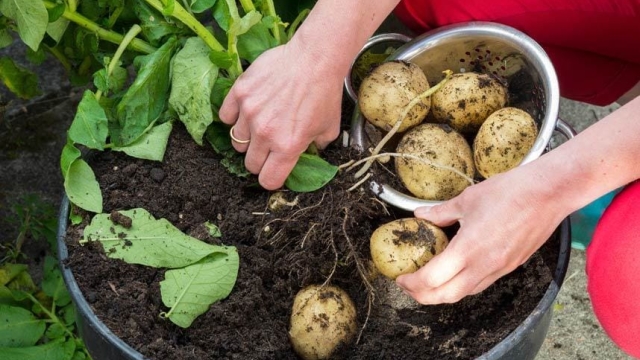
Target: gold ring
236 139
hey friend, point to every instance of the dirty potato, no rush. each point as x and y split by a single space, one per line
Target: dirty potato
503 140
444 166
466 100
388 89
405 245
322 318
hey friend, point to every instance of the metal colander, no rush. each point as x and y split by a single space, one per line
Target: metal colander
499 50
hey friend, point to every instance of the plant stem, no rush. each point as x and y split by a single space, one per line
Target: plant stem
61 58
247 5
271 11
107 35
296 23
113 62
114 17
184 17
72 5
50 314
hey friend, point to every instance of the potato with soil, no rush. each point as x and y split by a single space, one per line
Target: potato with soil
503 141
405 245
322 318
388 89
439 163
466 100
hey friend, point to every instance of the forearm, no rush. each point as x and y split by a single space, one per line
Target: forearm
336 30
603 157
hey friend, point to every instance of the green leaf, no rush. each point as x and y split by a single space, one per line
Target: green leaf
69 154
19 80
221 59
18 327
246 22
198 6
54 350
213 229
57 28
55 331
113 83
90 126
82 188
255 41
5 38
152 145
146 99
310 173
31 16
190 291
56 12
148 241
53 284
192 81
154 25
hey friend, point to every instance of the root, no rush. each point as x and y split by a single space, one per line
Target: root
417 158
359 183
403 114
361 271
335 263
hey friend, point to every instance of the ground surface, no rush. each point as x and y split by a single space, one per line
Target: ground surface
31 137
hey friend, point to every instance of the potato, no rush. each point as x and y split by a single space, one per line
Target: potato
388 89
322 318
446 150
465 101
405 245
503 141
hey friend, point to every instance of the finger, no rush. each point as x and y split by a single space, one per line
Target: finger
437 272
241 132
444 214
324 140
453 291
276 169
230 109
257 154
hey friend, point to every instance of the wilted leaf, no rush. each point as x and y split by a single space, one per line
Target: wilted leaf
19 80
148 241
152 145
190 291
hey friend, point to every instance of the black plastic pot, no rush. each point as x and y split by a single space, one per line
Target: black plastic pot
522 344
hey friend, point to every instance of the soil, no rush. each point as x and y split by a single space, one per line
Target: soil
322 239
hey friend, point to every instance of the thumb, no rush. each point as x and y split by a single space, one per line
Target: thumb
444 214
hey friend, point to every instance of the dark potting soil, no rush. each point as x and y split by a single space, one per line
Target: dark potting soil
324 235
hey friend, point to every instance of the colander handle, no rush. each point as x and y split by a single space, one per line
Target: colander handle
374 40
565 129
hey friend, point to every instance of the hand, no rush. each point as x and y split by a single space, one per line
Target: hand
503 221
282 103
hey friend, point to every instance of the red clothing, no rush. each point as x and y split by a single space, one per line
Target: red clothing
593 44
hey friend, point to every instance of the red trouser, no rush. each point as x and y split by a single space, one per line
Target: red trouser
595 48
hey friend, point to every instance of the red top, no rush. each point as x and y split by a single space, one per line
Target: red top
594 44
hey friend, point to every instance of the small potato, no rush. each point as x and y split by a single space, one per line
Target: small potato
405 245
442 151
388 89
322 318
503 141
467 99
